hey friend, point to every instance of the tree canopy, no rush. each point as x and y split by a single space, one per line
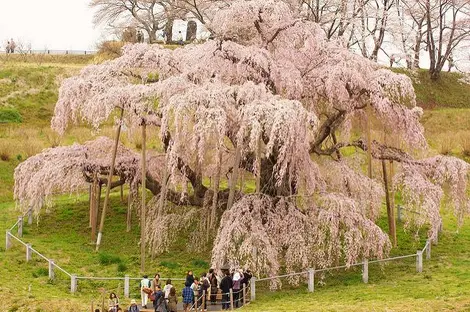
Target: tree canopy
271 100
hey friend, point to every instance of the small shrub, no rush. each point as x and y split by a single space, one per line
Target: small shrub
122 267
19 157
10 115
40 272
465 143
4 156
200 263
107 259
169 264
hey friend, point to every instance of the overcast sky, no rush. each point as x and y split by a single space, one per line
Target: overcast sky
55 24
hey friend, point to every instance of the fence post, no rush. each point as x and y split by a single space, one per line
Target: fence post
419 261
126 286
311 280
30 216
28 252
365 271
399 216
231 300
244 294
203 300
73 283
7 240
51 269
20 226
253 289
428 249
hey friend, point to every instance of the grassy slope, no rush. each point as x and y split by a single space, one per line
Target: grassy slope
64 231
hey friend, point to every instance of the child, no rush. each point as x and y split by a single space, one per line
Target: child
188 297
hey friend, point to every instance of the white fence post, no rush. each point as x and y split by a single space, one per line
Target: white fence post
365 271
29 252
20 226
7 240
311 280
253 289
126 286
428 249
73 283
51 269
30 216
419 261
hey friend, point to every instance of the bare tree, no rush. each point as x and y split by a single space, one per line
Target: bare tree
447 26
148 15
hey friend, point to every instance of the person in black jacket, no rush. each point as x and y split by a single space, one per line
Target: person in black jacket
225 286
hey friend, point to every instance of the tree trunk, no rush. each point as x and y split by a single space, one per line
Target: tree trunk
143 210
110 178
215 198
390 214
391 173
129 211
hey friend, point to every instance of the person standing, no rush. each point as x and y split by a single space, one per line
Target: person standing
113 302
190 278
172 300
204 286
160 302
144 284
237 279
214 286
188 297
167 288
155 282
225 286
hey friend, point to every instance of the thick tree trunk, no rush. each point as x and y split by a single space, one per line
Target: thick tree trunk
110 178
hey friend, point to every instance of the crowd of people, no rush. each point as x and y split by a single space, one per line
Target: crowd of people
10 46
197 292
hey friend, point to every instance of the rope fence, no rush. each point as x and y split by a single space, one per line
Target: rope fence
251 288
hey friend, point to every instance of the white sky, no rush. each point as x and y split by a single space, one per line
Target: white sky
55 24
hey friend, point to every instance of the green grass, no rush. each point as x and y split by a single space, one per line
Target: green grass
445 92
28 91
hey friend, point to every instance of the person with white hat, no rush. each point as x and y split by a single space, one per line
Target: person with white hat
133 307
237 279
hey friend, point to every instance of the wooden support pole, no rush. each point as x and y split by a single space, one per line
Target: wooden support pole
110 178
90 204
7 241
234 177
126 286
73 283
258 171
399 213
419 261
29 252
428 249
231 299
143 210
122 193
390 213
311 280
30 216
365 271
129 211
51 269
94 209
20 226
253 288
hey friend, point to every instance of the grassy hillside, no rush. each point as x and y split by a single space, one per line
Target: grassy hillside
28 92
